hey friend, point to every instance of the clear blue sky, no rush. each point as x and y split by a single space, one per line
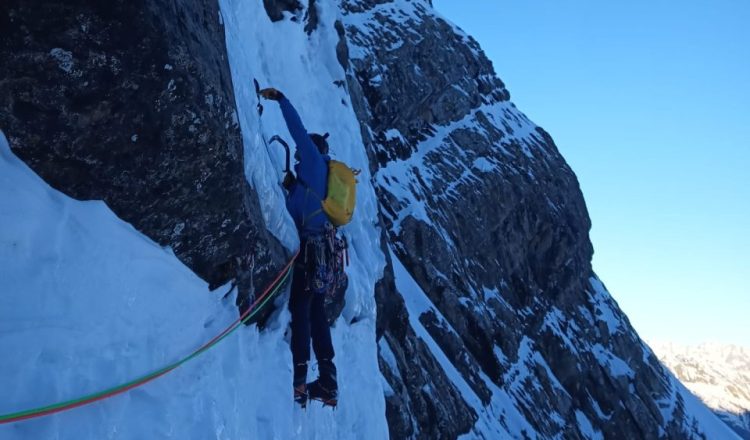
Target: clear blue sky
649 102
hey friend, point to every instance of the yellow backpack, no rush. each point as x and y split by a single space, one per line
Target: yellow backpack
341 194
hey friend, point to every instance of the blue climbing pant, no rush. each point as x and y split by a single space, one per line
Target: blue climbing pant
309 321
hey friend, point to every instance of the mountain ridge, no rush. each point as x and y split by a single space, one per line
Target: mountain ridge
717 373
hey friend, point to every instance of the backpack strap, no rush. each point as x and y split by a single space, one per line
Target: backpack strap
309 190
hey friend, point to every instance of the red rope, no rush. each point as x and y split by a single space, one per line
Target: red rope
87 401
252 306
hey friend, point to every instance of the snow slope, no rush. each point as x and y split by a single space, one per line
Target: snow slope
87 302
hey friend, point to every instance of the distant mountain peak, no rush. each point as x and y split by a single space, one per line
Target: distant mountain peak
719 374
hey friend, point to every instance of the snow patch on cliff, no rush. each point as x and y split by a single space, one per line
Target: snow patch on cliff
500 406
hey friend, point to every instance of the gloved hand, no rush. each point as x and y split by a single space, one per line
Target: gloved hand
271 93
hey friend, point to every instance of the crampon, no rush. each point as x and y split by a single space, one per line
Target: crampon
316 391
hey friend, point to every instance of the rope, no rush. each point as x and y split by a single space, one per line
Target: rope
257 305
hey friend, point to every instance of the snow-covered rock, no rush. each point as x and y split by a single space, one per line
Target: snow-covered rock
488 233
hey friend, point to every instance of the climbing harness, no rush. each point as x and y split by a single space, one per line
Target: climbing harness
325 257
257 305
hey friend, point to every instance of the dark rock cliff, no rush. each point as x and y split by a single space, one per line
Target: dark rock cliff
131 102
489 220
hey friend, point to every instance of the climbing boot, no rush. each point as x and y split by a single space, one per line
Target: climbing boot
328 396
299 385
327 374
301 395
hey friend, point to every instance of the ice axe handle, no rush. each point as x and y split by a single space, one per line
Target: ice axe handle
257 94
278 139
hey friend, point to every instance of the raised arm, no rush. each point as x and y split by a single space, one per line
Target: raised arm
307 150
308 153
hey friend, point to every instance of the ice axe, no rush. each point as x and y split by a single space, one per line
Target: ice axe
257 94
278 139
289 178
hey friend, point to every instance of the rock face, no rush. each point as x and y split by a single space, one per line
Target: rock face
422 401
489 220
131 102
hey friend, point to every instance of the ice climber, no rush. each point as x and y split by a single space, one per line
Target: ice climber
312 277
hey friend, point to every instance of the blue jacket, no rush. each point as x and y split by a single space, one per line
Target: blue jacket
304 199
